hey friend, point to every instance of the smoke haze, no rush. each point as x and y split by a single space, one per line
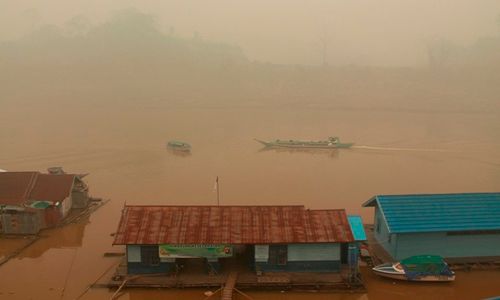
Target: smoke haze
101 86
289 32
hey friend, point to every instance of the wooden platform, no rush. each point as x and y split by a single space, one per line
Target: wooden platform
273 279
474 263
245 279
78 214
227 292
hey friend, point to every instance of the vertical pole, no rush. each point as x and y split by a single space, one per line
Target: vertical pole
353 262
217 184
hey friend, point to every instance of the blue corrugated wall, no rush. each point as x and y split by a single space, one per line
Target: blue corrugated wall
439 243
324 257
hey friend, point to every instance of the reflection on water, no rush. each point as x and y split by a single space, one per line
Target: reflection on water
70 236
180 153
400 149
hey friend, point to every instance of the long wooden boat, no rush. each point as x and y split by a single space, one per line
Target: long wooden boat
331 143
417 268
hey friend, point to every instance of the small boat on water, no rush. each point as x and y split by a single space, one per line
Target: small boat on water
178 146
331 143
417 268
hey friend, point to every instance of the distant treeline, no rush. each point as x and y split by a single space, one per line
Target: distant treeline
484 52
128 60
135 38
129 36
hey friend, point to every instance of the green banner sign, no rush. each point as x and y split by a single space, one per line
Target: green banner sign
179 251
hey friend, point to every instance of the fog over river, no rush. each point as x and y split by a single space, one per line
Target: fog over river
102 93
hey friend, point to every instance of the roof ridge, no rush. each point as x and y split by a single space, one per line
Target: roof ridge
327 209
436 194
224 205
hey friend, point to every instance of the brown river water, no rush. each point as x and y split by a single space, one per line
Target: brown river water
123 149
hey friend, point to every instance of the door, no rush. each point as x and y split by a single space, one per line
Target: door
344 253
278 254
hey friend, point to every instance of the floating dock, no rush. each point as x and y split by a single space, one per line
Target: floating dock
236 280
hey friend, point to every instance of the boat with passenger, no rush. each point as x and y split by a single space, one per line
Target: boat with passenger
417 268
332 142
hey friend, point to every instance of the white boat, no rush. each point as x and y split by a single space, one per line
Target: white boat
417 268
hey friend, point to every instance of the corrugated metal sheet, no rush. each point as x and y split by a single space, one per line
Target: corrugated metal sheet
439 212
52 216
231 224
26 222
54 188
357 228
16 188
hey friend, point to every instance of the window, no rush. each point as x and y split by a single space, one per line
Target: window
150 255
378 225
278 254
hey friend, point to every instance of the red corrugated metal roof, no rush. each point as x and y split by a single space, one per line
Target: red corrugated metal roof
231 224
16 188
52 188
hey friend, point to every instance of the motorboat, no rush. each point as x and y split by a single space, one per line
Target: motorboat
178 146
417 268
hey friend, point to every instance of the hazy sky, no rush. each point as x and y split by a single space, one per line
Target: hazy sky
375 32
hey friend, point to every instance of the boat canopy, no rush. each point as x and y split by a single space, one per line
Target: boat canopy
178 144
419 265
423 259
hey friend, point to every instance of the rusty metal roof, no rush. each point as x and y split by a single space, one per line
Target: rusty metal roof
52 188
231 224
14 187
17 188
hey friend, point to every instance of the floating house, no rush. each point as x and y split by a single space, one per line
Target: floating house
260 238
449 225
31 201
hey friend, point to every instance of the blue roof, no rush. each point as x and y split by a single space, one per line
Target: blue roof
358 231
439 212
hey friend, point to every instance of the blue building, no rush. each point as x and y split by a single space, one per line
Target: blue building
450 225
